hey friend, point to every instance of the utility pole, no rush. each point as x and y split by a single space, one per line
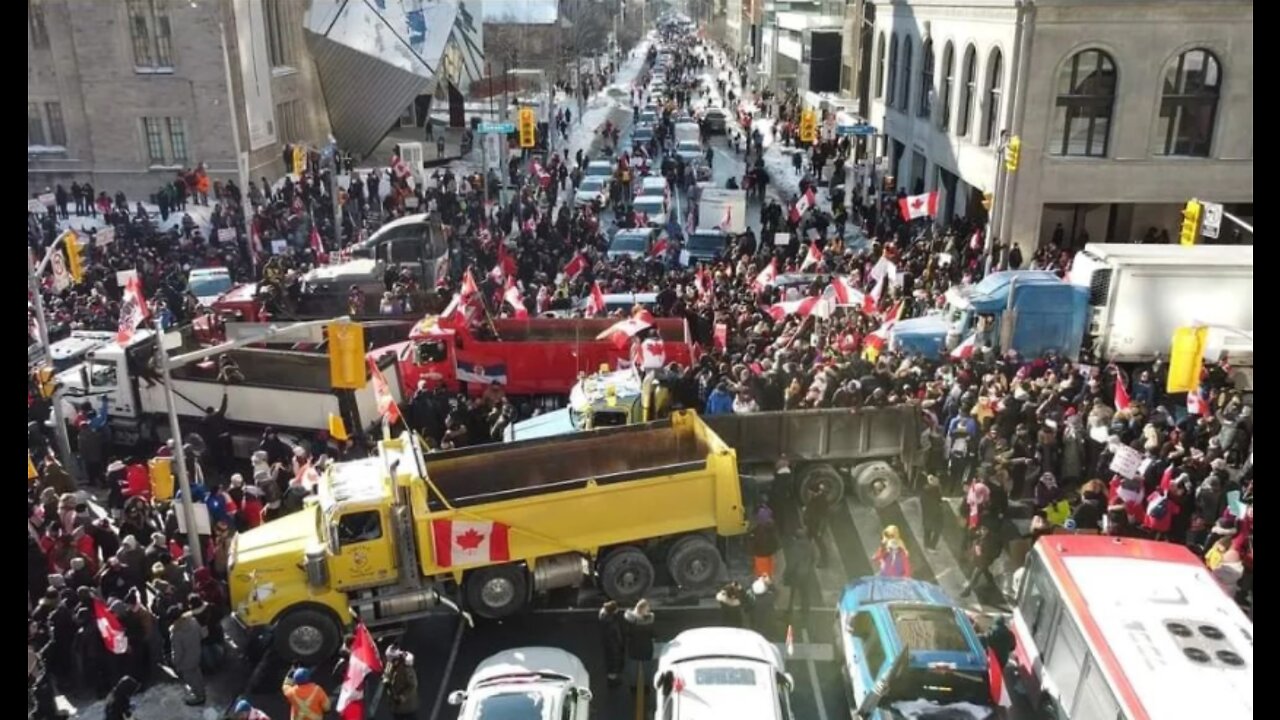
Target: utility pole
42 329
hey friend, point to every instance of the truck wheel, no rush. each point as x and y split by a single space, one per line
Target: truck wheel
627 575
877 484
308 636
497 592
694 563
814 476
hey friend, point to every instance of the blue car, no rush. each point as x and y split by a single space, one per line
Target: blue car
907 650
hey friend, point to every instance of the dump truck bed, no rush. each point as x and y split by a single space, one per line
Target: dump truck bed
834 434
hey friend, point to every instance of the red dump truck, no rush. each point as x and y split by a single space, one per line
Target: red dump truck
539 357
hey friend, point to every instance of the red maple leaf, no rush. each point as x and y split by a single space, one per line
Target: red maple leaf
917 203
469 540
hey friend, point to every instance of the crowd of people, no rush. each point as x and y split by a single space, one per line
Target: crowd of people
1009 434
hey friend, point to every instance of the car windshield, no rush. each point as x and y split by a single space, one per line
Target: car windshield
706 242
628 243
689 146
207 285
601 170
593 183
642 133
528 705
649 206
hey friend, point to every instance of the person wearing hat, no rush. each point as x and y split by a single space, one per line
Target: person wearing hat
932 511
307 700
401 683
185 638
891 558
244 710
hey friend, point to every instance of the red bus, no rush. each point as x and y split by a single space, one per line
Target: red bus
1118 629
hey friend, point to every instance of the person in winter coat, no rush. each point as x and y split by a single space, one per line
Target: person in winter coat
119 705
763 541
90 654
640 637
400 681
891 558
1093 506
932 511
986 548
733 613
613 638
1164 504
185 638
720 401
800 574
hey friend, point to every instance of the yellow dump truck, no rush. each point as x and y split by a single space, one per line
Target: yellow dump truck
388 537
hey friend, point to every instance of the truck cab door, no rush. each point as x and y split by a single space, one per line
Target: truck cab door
362 550
435 360
110 378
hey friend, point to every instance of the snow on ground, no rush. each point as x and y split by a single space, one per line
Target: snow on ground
159 702
199 213
613 98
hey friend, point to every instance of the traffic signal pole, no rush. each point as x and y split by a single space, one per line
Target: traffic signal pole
42 329
167 364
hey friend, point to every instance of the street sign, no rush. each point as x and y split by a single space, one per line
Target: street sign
1211 223
503 128
859 129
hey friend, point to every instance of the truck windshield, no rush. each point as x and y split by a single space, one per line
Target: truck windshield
429 351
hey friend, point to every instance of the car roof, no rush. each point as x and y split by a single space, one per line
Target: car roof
528 660
720 642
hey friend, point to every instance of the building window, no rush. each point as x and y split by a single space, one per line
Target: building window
57 128
1086 98
166 140
279 47
948 80
35 125
926 79
905 95
35 22
892 91
991 109
150 34
880 67
968 89
1189 104
289 121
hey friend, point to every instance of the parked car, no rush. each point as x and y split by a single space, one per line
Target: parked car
593 191
654 209
717 119
690 151
634 243
530 682
721 672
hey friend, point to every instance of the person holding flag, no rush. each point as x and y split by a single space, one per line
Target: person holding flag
363 662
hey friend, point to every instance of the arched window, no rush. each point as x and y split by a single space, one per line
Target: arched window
948 77
905 95
968 89
892 90
1189 104
926 79
880 67
1086 98
991 107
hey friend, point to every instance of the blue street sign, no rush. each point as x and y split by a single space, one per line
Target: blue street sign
859 129
501 128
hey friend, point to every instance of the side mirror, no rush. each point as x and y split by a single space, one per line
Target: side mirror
457 697
789 681
584 694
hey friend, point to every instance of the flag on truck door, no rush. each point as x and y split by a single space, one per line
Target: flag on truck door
481 370
469 542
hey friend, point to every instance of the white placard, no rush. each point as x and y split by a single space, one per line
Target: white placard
124 276
104 236
782 239
203 526
1126 462
279 247
226 235
61 278
47 199
685 258
35 206
411 202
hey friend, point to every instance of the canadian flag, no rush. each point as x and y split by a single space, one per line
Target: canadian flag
811 258
995 679
255 236
110 628
703 281
595 303
364 661
511 295
846 293
803 307
387 406
919 206
766 276
133 310
470 542
964 350
726 220
453 314
575 266
469 287
1122 394
803 204
317 244
505 267
649 354
660 247
1196 404
400 167
871 300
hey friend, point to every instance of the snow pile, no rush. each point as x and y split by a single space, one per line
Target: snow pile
199 213
162 702
607 104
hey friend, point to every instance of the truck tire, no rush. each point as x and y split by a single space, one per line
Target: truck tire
308 636
497 592
877 484
813 475
695 563
626 575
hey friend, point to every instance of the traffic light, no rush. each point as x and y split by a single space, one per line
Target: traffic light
44 382
346 356
528 127
1190 231
808 126
1013 154
75 262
